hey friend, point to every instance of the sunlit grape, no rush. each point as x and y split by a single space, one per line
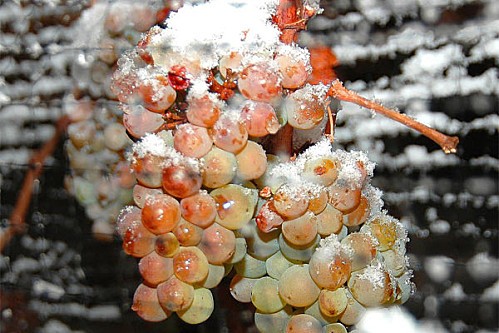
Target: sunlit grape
181 180
277 264
229 134
199 209
303 323
259 118
332 303
155 268
273 322
175 295
219 168
353 312
290 201
250 267
318 202
296 286
235 205
200 309
240 288
320 170
395 262
359 215
344 198
156 93
167 244
372 286
363 249
215 275
192 140
218 244
160 213
330 265
202 111
302 230
187 234
251 162
265 295
298 253
190 264
259 82
329 221
293 71
386 230
138 241
146 304
304 108
141 193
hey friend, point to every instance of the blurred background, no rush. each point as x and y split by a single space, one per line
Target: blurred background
434 60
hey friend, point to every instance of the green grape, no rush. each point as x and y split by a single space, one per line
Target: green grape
353 312
235 205
265 295
219 168
251 162
300 231
261 245
218 244
240 288
303 323
329 221
298 253
272 322
190 264
240 251
175 295
146 304
395 262
314 311
201 308
335 328
155 268
297 288
250 267
332 303
277 264
364 249
215 275
372 286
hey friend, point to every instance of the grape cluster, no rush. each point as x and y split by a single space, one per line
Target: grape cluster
307 238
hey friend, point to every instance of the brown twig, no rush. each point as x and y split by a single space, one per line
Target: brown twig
17 218
448 143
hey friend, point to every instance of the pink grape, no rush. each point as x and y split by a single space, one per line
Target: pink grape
146 304
259 118
192 140
259 82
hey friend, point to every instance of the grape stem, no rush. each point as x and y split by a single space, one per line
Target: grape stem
18 215
447 143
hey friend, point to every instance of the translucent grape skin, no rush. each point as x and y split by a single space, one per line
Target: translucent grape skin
146 304
156 93
155 268
218 244
201 308
265 295
148 170
187 234
333 303
235 205
268 219
303 323
359 215
160 213
175 295
167 245
259 82
251 162
139 121
192 140
321 170
344 198
273 322
329 221
304 113
260 119
240 288
297 288
219 168
330 269
302 230
138 241
289 203
229 134
294 73
364 249
202 111
141 193
199 209
190 265
250 267
181 180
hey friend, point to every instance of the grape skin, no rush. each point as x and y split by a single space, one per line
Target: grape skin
155 268
200 309
146 304
218 244
303 323
297 288
175 295
265 295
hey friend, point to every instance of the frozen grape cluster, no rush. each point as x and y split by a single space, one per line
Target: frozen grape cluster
211 102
